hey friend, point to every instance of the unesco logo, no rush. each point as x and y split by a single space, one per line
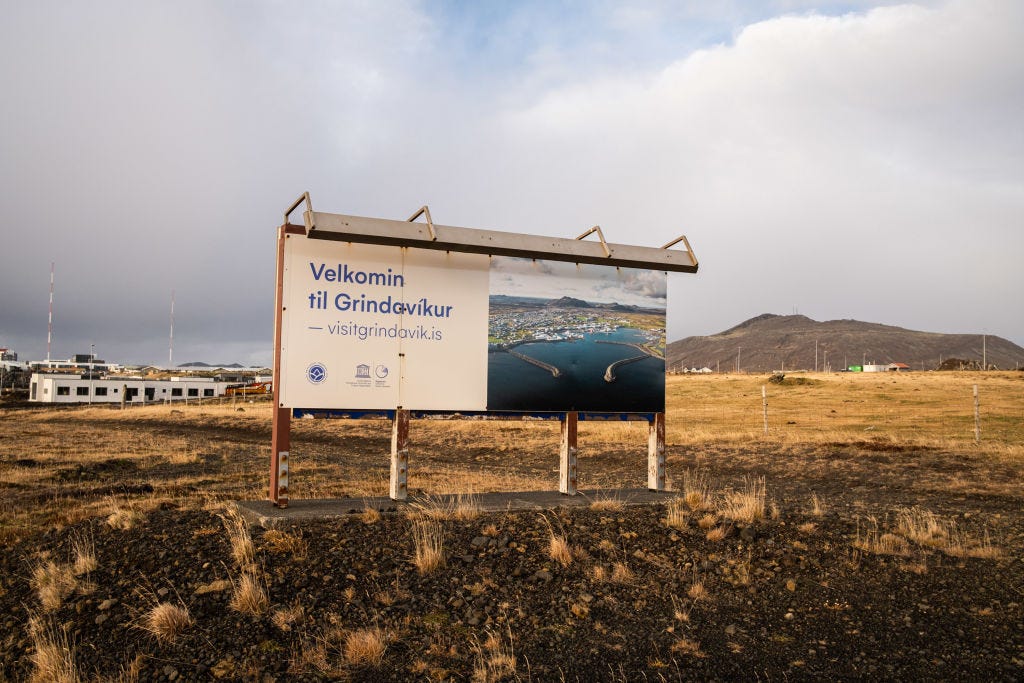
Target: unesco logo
316 373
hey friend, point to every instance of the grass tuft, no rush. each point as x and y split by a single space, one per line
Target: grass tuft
370 515
922 527
166 621
53 654
53 582
365 646
494 659
428 545
607 503
463 507
559 550
249 594
746 505
83 549
621 573
122 516
242 549
677 516
285 618
285 543
697 489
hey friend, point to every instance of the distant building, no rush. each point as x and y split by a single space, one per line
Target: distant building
871 367
7 354
898 367
51 387
79 362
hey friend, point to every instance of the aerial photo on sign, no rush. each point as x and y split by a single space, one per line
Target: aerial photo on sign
564 336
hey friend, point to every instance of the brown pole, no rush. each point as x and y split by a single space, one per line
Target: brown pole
282 417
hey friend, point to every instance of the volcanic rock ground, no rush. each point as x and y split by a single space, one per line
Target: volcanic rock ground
788 597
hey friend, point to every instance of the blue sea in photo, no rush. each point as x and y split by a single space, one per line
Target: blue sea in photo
514 384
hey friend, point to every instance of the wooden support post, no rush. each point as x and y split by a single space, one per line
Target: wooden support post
656 453
567 455
281 425
280 444
399 489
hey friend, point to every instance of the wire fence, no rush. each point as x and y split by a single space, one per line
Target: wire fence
821 408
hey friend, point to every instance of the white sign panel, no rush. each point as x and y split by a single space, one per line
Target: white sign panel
376 327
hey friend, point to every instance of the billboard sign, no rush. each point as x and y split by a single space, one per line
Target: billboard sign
377 327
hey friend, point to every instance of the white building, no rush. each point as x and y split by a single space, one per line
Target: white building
76 388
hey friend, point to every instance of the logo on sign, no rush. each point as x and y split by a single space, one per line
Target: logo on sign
381 371
362 371
316 373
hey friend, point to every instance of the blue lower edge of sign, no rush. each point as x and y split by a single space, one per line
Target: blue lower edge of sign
339 414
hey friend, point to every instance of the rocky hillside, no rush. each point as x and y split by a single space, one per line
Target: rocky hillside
787 342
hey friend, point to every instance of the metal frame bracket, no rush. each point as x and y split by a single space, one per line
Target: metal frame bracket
425 212
686 243
307 215
600 236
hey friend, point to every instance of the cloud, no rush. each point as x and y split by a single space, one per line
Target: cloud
854 166
867 165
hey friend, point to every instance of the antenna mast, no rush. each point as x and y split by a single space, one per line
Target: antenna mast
49 326
170 351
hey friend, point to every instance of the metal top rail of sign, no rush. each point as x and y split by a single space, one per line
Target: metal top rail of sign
340 227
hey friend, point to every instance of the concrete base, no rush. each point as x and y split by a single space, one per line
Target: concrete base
263 513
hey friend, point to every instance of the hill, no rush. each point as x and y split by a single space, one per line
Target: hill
782 342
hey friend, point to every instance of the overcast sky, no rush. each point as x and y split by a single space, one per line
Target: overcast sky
840 159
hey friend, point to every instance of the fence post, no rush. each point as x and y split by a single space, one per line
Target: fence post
764 402
977 417
567 455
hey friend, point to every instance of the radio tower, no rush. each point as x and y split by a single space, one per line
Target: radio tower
49 327
170 350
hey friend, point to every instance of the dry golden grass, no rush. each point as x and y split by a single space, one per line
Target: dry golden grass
933 409
285 618
698 591
166 621
621 573
286 543
707 521
463 507
428 545
817 507
53 654
243 551
249 594
53 582
370 515
607 503
494 659
718 533
874 540
123 514
677 515
746 505
365 646
559 550
225 453
697 489
83 550
688 647
922 527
